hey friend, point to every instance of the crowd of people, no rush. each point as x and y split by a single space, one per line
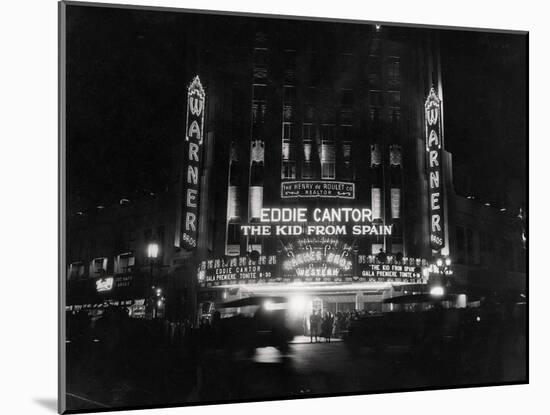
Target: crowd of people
329 325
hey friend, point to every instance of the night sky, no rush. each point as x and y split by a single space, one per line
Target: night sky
125 100
485 87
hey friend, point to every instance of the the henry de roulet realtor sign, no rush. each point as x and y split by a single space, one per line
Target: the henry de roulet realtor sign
321 189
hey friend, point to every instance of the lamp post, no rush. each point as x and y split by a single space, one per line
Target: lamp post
152 254
443 265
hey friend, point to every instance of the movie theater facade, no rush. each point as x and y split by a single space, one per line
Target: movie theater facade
319 171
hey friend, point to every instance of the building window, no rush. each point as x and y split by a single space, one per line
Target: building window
375 155
395 203
233 203
314 72
260 57
395 115
310 95
346 151
290 59
289 95
288 169
288 166
307 170
393 68
327 132
287 150
307 142
328 170
288 131
308 132
328 152
124 263
256 201
259 93
233 234
376 201
394 98
347 171
374 113
233 246
328 160
76 270
346 132
290 66
307 151
98 266
260 64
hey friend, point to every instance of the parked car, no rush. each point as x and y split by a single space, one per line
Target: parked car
430 328
263 324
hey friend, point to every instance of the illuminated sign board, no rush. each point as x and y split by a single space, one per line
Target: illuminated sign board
316 222
434 170
391 273
108 283
309 260
193 154
104 284
317 257
237 270
319 189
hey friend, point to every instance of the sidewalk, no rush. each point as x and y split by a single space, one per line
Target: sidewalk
306 339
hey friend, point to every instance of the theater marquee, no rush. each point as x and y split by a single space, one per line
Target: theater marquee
318 260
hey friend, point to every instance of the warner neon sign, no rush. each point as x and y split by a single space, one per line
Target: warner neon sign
434 170
196 100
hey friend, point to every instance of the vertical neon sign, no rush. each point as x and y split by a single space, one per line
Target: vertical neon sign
434 170
191 175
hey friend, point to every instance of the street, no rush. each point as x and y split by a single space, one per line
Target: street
174 377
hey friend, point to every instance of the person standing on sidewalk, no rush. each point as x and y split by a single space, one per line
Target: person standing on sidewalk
314 323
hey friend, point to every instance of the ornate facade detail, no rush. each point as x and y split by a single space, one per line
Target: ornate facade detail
257 151
395 155
375 155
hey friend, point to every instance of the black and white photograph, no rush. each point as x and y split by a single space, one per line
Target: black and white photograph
266 207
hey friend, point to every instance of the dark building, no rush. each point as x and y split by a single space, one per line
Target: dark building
346 119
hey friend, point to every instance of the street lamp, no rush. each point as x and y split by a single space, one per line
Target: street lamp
444 266
152 254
